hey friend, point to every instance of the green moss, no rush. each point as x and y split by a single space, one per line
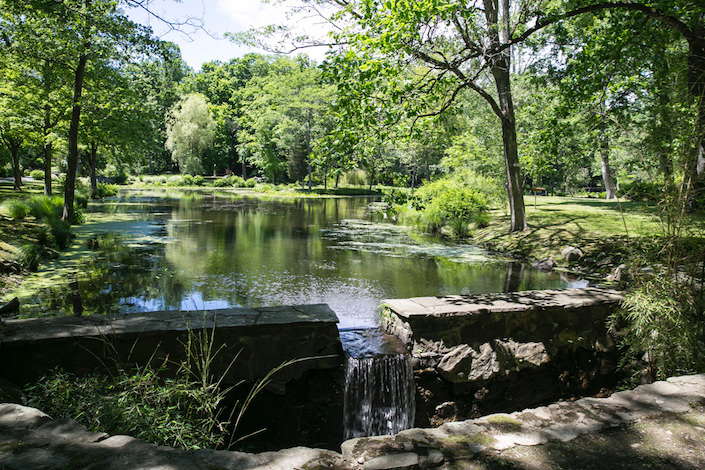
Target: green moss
505 423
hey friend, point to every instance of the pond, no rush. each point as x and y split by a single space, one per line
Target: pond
193 250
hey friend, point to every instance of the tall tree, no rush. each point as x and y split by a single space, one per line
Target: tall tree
190 132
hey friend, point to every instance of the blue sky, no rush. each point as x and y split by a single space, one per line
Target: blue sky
219 17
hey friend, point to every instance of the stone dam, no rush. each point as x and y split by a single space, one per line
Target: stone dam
471 355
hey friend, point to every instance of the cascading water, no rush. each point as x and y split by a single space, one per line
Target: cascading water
379 388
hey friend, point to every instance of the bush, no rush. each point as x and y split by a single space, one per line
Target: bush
37 175
198 180
104 190
642 191
250 183
445 202
46 206
221 182
30 256
176 180
120 178
661 324
16 208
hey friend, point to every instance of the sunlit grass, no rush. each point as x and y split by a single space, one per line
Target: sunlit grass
556 222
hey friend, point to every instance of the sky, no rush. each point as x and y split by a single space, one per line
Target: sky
218 17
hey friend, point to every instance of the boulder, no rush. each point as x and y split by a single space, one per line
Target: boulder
11 307
617 274
545 265
464 364
517 356
571 254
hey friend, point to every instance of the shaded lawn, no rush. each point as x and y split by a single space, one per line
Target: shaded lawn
592 224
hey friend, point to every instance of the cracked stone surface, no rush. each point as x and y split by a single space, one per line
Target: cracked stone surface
31 439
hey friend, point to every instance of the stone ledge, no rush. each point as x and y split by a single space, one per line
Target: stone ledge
135 323
463 305
30 439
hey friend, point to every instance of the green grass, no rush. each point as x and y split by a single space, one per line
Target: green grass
594 225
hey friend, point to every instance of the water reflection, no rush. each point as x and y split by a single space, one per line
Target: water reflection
204 251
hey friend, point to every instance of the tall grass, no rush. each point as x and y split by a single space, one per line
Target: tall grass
185 410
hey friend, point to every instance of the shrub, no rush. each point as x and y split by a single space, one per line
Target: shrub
661 324
120 178
642 191
198 180
445 202
250 183
221 182
30 256
46 206
37 175
16 208
104 190
175 180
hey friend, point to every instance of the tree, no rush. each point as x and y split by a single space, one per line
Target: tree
190 131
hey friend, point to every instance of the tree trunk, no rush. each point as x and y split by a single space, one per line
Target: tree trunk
91 168
70 186
696 81
610 188
308 148
47 150
499 66
16 173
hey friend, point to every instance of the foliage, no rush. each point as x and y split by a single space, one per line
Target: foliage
175 412
104 190
16 208
662 323
642 191
190 131
37 175
234 181
451 201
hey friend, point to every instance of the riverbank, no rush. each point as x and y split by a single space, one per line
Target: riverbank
653 426
608 233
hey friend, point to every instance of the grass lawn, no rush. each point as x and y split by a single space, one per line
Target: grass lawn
594 225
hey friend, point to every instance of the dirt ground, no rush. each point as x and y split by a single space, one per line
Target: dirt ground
668 441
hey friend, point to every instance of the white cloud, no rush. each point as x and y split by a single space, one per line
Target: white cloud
246 14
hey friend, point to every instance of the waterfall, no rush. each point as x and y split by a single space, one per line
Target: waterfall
379 395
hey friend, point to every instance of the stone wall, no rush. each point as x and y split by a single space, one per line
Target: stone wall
499 352
301 405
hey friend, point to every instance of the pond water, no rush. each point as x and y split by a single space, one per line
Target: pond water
170 250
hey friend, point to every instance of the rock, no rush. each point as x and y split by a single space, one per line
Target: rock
407 460
464 364
571 254
605 262
11 307
513 355
570 277
435 457
545 265
446 409
617 274
457 363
